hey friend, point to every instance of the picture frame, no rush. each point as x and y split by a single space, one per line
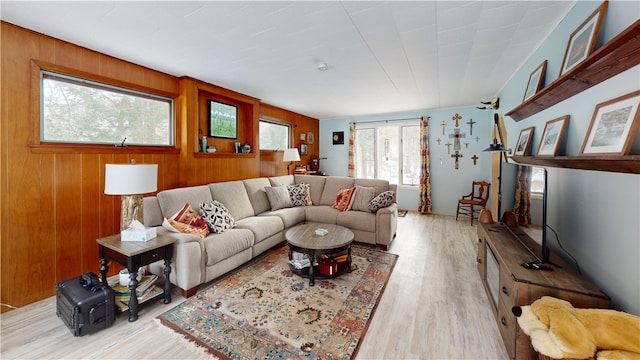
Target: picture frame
302 136
583 40
303 149
223 120
524 141
552 136
535 81
613 127
338 138
310 137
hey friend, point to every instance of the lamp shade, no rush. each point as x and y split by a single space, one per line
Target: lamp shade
291 155
128 179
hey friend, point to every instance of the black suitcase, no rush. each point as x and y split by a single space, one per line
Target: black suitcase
85 304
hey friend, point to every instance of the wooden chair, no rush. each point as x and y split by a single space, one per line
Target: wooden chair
474 202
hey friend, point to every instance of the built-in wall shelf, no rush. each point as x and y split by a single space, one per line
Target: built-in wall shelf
224 155
619 54
614 163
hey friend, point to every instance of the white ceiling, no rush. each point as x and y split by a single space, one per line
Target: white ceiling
382 56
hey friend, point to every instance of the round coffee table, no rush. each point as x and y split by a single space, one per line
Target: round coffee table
303 239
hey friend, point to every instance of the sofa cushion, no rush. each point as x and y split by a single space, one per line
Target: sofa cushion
316 186
383 200
279 197
357 220
362 198
217 216
299 194
321 214
290 216
262 227
257 195
281 180
234 196
174 199
344 199
187 220
222 246
332 185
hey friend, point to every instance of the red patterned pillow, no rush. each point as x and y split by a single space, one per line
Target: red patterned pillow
344 200
188 221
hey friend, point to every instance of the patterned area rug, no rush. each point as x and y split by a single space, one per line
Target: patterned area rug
264 311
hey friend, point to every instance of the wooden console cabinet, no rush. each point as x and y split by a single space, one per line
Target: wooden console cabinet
509 284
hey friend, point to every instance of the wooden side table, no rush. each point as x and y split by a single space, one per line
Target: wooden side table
133 255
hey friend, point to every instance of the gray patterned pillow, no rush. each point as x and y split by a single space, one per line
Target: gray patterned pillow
217 216
278 197
299 194
383 200
363 197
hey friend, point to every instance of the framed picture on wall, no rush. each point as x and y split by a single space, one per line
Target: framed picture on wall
223 120
552 136
310 137
524 141
583 40
535 81
613 126
338 138
303 149
302 136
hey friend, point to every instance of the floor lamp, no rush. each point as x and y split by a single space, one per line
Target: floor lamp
498 147
290 155
130 181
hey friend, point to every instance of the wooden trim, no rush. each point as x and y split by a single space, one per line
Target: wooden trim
67 148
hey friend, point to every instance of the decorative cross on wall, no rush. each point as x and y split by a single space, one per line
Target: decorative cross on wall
456 138
455 118
438 140
444 124
475 159
466 145
457 156
477 139
448 145
471 122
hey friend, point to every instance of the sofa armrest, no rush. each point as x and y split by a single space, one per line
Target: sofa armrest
386 225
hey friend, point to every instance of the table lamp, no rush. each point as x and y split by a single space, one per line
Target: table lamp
291 155
130 181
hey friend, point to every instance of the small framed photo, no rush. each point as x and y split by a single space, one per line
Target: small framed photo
310 138
524 141
613 126
303 149
552 136
302 136
535 81
338 138
583 40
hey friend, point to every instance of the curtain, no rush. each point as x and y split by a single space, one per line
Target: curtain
424 202
351 167
522 199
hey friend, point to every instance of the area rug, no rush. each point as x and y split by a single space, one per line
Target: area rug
264 311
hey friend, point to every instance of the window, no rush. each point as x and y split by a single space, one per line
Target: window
273 136
75 110
390 152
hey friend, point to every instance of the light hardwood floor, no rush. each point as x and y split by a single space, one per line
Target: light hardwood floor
434 307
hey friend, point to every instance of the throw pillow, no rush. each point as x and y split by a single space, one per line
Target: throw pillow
363 197
217 216
187 221
300 194
278 197
344 200
383 200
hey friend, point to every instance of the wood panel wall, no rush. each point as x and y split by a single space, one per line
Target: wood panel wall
52 202
271 163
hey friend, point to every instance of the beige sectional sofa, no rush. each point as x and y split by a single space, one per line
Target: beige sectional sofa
199 260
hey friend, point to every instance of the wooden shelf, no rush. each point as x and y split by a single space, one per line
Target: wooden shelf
615 163
223 155
619 54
